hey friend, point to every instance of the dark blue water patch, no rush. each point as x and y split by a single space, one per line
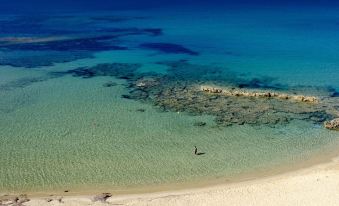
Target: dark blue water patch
98 43
184 70
82 36
50 24
114 19
22 25
133 31
260 83
34 59
40 25
74 49
335 94
169 48
118 70
25 82
154 31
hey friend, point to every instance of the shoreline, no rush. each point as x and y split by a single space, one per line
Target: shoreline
316 185
319 167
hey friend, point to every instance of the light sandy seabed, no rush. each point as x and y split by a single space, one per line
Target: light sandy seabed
318 185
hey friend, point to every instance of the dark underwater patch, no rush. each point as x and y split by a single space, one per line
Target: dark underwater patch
168 48
133 31
118 70
24 82
78 36
64 50
260 83
54 24
184 70
22 25
178 91
114 19
29 59
100 43
335 94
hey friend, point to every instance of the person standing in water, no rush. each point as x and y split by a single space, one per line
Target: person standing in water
195 150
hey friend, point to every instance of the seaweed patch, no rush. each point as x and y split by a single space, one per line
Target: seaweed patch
119 70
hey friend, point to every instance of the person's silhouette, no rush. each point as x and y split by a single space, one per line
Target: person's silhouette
195 150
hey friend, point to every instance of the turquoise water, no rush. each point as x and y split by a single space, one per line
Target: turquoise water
69 132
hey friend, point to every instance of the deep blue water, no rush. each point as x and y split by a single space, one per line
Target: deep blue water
91 5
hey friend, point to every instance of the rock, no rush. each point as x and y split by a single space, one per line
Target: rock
199 124
146 82
211 89
310 99
251 93
333 124
110 84
125 96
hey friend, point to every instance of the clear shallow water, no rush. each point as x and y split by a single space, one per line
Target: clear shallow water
67 132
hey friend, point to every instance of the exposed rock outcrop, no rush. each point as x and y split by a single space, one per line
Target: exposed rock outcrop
333 124
146 82
266 94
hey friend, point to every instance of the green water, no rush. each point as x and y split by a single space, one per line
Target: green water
73 133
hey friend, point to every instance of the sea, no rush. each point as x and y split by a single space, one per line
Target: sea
105 96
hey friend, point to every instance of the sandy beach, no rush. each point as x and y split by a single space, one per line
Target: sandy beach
318 185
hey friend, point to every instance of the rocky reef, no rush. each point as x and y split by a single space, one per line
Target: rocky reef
228 110
183 89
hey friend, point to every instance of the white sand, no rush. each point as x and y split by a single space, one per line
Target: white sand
318 185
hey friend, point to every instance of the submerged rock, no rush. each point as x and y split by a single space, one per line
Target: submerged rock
199 124
146 82
140 110
109 84
182 89
333 124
